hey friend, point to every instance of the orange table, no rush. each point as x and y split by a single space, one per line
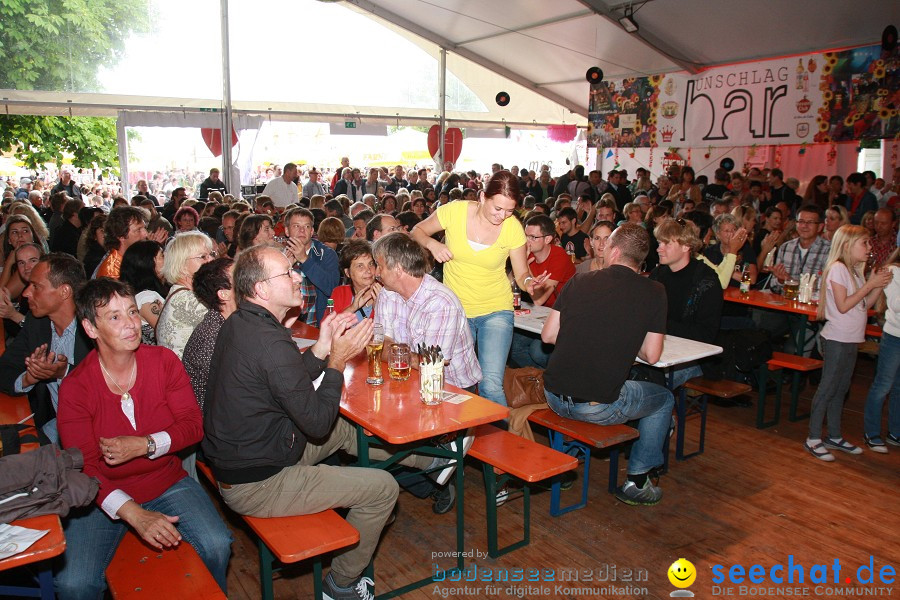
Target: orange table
394 413
14 409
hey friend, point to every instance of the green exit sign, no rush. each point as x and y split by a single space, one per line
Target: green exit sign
349 124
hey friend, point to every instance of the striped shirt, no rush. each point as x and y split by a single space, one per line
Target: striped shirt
797 262
433 316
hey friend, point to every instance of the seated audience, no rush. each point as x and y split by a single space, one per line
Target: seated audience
262 394
577 389
359 295
182 310
693 291
142 269
316 262
142 484
50 342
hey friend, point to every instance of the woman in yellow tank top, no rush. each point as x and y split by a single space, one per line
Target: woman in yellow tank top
479 237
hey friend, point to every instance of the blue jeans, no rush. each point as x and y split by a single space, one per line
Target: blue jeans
887 380
678 377
492 334
529 351
651 404
92 539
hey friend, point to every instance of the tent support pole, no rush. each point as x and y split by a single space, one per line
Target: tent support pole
122 143
442 105
227 125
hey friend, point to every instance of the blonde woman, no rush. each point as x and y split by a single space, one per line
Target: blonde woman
41 233
182 310
835 217
847 296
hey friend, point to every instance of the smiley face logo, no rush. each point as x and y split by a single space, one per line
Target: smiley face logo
682 573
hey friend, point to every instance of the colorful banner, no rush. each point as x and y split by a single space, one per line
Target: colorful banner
823 97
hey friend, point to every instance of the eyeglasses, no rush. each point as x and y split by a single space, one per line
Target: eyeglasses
534 237
286 274
207 256
802 222
681 222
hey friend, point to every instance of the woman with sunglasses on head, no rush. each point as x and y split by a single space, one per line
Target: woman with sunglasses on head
479 237
182 310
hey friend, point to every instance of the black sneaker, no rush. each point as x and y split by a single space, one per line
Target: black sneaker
875 444
444 499
358 590
892 439
630 493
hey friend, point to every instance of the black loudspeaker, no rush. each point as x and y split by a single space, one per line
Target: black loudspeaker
727 164
594 75
502 98
889 38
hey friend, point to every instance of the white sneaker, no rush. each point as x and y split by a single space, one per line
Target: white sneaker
441 477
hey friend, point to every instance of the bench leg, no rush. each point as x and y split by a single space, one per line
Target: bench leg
681 408
265 571
795 399
491 484
761 406
558 443
317 578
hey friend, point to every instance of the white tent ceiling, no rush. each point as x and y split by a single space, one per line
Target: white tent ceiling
547 46
538 52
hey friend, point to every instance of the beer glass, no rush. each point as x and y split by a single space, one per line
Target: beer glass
398 362
791 289
373 353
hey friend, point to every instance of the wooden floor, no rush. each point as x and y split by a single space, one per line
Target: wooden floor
754 497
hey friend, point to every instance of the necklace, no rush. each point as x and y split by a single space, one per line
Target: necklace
126 397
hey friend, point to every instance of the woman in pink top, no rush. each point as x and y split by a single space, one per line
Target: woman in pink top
847 296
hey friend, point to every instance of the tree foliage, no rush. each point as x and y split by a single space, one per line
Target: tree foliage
37 140
59 44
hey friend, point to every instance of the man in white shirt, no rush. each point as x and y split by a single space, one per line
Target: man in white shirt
283 190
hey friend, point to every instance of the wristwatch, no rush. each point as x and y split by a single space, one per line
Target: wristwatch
151 446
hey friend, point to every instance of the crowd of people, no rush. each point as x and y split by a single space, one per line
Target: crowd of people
160 328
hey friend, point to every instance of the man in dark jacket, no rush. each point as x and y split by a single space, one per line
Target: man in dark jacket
212 184
267 427
67 184
51 340
693 290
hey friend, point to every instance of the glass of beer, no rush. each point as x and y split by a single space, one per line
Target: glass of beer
373 353
791 289
398 362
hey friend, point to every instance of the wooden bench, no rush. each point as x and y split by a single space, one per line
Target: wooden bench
779 361
585 436
292 539
517 457
684 407
140 571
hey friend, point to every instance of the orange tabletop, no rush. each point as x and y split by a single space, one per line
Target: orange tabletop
393 410
13 409
772 301
52 544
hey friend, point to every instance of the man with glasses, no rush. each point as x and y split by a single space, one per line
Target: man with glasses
543 257
267 428
807 253
380 225
317 262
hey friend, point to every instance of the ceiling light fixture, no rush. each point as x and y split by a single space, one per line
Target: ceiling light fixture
627 22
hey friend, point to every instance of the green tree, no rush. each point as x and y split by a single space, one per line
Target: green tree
36 140
59 45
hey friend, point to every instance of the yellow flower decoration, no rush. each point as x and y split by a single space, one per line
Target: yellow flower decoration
828 95
879 73
823 126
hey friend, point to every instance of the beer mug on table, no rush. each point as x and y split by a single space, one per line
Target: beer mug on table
373 354
398 362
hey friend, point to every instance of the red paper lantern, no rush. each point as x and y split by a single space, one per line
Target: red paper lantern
213 139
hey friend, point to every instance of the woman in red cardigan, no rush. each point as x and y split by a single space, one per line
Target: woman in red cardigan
129 408
359 295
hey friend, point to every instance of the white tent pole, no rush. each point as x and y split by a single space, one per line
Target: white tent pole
122 142
226 97
442 106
